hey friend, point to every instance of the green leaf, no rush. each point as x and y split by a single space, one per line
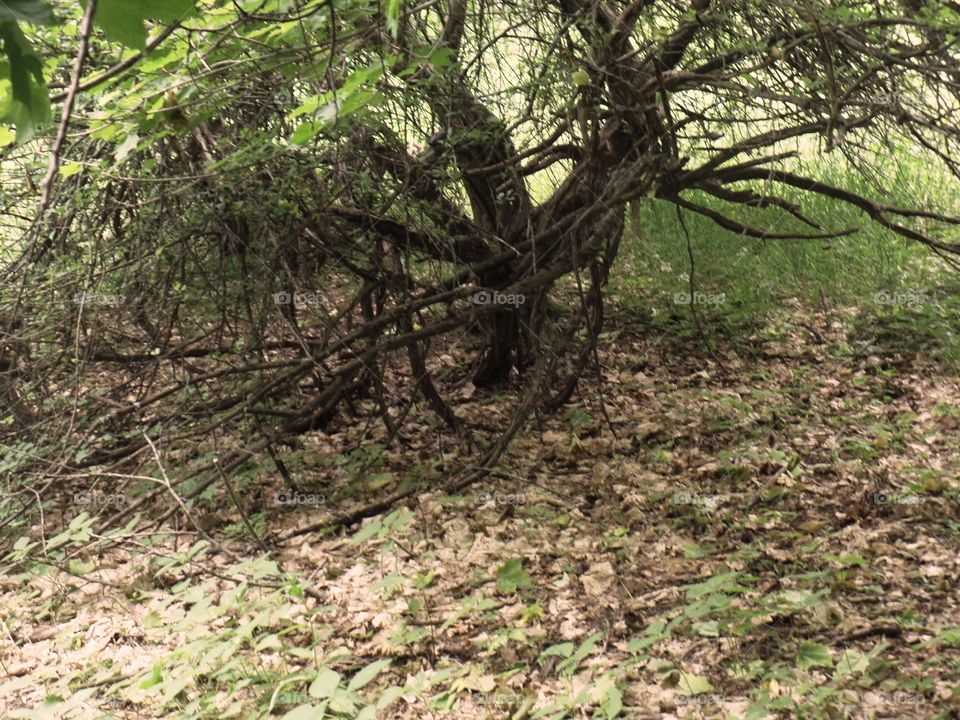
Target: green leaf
724 582
852 662
21 76
389 695
368 713
79 567
70 169
344 702
692 551
570 665
423 580
126 147
156 677
306 712
563 650
306 132
811 654
325 684
949 636
512 577
707 629
167 11
579 419
379 480
693 684
39 13
123 21
612 703
393 16
580 78
367 674
441 58
367 532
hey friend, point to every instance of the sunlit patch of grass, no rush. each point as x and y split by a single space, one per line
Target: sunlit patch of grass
744 280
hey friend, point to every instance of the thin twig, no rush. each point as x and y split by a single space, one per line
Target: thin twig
243 514
86 28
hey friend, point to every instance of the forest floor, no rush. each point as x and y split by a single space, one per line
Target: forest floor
769 529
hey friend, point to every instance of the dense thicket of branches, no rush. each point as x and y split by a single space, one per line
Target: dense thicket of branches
394 165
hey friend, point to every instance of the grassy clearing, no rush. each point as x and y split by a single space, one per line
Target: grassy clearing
746 281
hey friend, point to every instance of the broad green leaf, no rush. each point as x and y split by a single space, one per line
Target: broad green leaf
304 133
368 713
612 704
344 702
123 21
70 169
166 11
39 13
512 577
811 654
157 59
23 93
441 58
389 695
693 684
80 567
270 642
367 532
306 712
325 684
367 674
851 662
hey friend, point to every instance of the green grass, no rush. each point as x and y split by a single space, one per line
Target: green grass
757 277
